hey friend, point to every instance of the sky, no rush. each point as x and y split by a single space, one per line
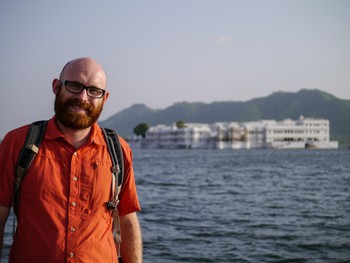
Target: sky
159 52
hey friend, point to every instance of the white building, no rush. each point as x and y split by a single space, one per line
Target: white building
302 133
299 134
171 137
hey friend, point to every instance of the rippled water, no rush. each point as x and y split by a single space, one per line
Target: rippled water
244 206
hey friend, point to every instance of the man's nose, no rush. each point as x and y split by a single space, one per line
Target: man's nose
83 95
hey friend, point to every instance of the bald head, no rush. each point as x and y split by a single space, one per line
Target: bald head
86 71
76 109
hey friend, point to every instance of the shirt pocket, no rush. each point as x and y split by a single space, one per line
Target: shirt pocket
95 186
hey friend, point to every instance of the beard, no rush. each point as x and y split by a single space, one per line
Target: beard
83 119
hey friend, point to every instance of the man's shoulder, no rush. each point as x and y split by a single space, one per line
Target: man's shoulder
20 130
13 141
17 133
123 143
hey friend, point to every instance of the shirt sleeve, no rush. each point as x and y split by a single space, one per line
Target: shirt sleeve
6 170
129 202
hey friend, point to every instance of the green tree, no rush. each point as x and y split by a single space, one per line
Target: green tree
141 129
180 124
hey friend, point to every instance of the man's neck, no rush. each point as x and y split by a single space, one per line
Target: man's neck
76 138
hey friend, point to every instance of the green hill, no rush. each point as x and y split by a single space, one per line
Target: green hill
278 106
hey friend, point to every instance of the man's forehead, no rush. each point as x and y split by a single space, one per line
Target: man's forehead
83 66
87 65
85 70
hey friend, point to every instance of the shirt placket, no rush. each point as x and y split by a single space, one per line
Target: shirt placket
74 207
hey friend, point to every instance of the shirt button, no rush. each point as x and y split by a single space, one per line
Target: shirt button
75 178
73 203
75 154
72 229
71 254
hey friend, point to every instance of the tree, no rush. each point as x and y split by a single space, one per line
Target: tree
180 124
141 129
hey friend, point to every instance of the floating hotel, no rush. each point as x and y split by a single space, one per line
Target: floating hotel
286 134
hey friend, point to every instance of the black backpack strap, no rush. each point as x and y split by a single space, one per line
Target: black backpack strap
28 152
116 153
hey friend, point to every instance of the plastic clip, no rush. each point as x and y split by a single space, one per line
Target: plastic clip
111 205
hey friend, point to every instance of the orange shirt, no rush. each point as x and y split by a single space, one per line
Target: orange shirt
62 211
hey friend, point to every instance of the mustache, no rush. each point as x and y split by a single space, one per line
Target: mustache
80 104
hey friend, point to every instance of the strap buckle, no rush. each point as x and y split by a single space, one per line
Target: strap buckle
111 205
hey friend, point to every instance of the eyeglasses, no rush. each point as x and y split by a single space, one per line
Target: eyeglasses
77 88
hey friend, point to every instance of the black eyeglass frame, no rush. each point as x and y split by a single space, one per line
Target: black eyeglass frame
88 89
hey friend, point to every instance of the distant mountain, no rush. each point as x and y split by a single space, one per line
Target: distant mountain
278 106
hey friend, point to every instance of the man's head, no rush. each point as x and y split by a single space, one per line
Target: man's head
80 93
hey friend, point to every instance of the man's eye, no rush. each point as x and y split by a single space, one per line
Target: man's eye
95 91
75 85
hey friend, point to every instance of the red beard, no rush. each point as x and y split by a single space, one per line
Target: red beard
76 120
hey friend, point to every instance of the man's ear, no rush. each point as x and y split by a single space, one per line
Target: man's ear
106 97
56 84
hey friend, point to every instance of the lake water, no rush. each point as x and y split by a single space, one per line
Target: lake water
243 206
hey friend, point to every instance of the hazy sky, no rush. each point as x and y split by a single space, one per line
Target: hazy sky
159 52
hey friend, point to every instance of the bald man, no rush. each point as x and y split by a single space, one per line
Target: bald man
62 216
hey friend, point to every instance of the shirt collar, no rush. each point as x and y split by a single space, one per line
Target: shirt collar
53 132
